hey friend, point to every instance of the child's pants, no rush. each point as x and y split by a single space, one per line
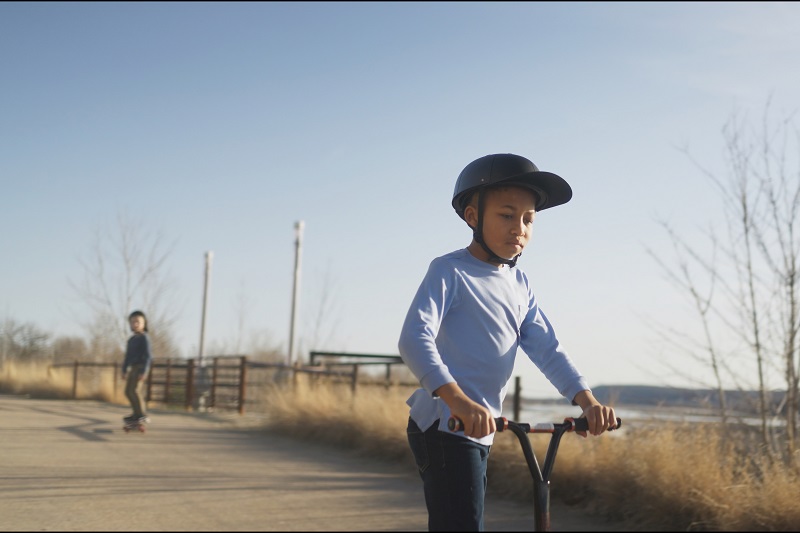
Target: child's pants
453 472
133 390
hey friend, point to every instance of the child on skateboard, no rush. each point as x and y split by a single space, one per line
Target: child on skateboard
138 358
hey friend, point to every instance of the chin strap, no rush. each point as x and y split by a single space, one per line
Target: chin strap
477 234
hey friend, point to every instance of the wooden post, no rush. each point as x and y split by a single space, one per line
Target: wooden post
242 383
388 374
213 398
517 400
167 380
189 384
298 229
209 258
75 381
355 378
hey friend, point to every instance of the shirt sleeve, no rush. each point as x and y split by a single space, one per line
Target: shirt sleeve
539 342
127 361
417 344
148 355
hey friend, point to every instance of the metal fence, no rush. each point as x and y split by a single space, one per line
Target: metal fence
224 384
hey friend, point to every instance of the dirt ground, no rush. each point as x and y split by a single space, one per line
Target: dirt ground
69 466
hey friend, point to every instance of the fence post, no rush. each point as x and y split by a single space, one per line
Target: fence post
189 384
213 397
355 378
75 381
517 390
167 381
116 377
242 383
388 374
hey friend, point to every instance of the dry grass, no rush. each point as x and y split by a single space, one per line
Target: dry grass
39 380
369 421
677 477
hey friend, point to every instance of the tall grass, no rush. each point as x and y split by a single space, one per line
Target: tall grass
368 421
39 380
671 477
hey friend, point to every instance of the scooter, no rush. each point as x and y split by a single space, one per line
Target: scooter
541 477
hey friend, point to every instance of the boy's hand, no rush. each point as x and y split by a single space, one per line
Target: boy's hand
600 417
476 419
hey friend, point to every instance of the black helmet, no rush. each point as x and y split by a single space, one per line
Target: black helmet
509 169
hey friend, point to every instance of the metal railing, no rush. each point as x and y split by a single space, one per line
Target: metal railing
356 360
223 383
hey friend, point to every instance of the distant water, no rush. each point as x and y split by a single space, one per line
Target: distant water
554 412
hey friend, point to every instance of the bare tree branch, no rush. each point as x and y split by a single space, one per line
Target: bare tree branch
126 267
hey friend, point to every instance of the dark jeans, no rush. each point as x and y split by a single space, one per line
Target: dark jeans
453 472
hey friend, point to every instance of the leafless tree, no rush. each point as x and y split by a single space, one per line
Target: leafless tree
242 308
322 317
22 342
701 295
126 268
262 347
757 279
69 348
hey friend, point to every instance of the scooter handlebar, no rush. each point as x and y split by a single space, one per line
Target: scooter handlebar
502 423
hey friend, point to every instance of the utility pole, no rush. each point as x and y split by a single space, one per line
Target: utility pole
201 384
298 233
209 258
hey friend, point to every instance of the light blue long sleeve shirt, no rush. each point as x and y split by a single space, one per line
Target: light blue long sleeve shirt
464 325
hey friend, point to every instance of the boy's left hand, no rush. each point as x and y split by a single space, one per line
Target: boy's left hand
600 417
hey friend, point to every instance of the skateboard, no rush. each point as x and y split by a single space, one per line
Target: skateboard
134 425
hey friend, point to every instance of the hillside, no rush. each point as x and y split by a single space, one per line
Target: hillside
646 395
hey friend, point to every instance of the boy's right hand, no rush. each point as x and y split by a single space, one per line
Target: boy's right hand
476 419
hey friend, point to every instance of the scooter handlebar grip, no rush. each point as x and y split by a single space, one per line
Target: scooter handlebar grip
582 424
454 424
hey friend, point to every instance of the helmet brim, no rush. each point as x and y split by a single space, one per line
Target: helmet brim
551 190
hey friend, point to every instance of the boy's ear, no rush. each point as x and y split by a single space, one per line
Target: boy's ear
471 216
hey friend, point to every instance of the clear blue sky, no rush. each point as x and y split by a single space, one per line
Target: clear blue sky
221 124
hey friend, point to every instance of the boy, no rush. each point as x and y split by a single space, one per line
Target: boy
136 365
471 313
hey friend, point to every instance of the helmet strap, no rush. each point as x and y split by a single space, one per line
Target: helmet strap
477 234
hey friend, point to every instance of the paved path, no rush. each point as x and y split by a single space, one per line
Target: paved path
68 466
